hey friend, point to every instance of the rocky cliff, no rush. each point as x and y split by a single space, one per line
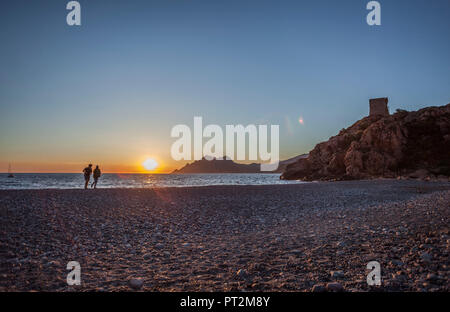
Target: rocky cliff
402 145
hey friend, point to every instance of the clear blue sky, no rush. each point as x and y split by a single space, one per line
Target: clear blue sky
114 87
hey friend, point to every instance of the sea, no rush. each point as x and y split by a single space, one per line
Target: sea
115 180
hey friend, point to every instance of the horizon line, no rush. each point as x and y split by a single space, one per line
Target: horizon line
5 172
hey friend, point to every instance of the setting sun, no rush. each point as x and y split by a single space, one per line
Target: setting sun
150 164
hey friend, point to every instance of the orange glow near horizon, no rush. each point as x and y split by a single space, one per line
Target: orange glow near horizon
77 167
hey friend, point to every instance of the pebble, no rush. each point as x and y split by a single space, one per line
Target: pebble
136 283
242 274
426 257
297 252
337 274
432 277
397 262
318 288
334 287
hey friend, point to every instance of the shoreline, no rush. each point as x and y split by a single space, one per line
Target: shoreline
99 188
288 184
76 181
228 238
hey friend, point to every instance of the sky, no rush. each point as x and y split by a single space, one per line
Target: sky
109 91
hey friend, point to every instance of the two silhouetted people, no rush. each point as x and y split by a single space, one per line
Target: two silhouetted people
87 176
96 175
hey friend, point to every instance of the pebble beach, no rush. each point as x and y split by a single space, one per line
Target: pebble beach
303 237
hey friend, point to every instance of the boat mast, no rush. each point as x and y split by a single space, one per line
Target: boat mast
10 175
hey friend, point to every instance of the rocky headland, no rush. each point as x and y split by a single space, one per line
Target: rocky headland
402 145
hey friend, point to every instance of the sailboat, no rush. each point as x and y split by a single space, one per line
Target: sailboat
10 174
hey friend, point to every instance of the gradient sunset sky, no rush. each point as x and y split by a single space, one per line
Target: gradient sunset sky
110 90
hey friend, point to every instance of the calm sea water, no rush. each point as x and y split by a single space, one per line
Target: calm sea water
75 180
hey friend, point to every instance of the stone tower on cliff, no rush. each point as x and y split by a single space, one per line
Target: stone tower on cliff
379 106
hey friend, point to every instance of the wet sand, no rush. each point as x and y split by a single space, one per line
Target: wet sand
228 238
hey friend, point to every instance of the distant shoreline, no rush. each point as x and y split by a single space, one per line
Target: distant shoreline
100 189
112 180
237 185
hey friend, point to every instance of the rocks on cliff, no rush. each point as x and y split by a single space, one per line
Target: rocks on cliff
403 145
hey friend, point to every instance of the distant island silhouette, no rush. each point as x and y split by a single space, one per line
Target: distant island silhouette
228 166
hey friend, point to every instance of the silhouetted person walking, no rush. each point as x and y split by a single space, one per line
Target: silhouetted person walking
87 175
96 175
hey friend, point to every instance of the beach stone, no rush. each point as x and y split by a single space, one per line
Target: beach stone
335 287
296 252
426 257
242 274
53 263
432 277
419 174
318 288
397 262
136 283
398 278
337 274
